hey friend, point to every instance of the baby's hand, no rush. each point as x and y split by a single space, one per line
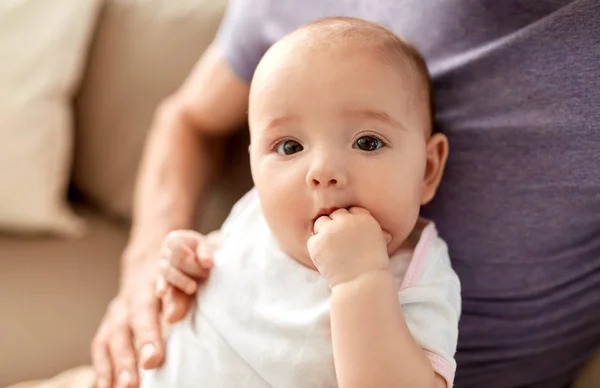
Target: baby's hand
186 259
346 244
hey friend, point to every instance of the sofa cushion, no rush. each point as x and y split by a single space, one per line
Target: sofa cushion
42 46
53 293
142 51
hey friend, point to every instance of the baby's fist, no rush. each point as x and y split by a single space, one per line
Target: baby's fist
347 244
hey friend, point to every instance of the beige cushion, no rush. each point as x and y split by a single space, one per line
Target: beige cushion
53 293
589 377
80 377
142 52
43 46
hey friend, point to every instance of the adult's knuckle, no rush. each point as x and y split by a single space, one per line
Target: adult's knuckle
142 306
125 358
114 310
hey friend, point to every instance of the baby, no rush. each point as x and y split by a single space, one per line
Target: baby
324 275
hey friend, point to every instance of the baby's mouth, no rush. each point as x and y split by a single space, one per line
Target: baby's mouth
322 212
325 212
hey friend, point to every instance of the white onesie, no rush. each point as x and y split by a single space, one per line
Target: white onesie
262 319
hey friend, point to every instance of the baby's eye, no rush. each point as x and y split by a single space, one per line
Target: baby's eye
289 147
368 143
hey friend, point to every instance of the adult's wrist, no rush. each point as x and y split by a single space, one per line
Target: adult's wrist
140 255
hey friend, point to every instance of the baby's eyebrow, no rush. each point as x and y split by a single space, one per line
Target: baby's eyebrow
279 121
374 114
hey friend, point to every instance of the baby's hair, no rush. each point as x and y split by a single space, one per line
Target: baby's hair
327 32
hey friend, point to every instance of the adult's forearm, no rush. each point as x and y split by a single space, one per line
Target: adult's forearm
176 168
372 344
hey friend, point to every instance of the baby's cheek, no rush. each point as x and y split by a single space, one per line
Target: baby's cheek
398 216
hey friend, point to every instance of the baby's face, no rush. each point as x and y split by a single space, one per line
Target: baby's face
334 129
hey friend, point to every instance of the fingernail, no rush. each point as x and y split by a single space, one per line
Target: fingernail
125 378
148 351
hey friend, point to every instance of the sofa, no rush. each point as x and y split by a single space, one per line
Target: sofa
54 289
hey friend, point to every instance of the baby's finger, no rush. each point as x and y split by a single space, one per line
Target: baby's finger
206 249
338 212
387 236
358 210
176 305
176 278
184 259
188 238
213 239
205 258
320 223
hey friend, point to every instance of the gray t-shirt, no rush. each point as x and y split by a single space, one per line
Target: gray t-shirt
517 92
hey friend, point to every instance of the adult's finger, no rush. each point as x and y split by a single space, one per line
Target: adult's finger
176 278
176 304
145 323
160 286
101 363
123 359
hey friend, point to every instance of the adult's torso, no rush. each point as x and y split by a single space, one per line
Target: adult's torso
517 92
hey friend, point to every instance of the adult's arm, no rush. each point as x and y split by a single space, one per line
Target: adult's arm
177 164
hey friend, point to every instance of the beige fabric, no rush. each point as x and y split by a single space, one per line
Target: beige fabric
81 377
53 293
42 46
142 52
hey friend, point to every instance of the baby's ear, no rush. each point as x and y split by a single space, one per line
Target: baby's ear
437 154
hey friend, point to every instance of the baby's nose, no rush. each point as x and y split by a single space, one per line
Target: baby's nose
324 174
327 182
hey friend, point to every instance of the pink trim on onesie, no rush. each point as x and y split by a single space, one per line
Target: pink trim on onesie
441 366
428 235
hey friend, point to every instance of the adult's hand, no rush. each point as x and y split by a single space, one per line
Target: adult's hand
130 330
130 333
178 160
